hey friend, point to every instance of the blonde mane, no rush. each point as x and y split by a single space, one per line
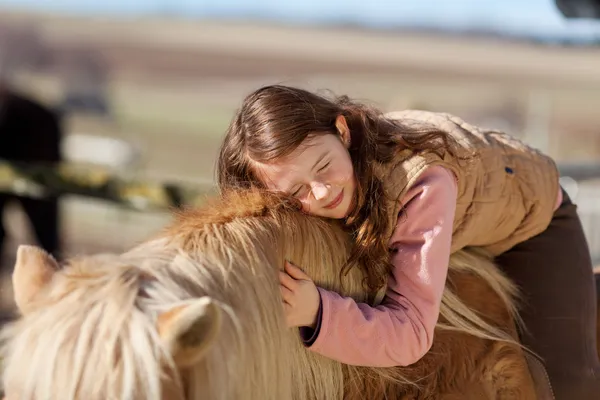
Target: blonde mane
91 332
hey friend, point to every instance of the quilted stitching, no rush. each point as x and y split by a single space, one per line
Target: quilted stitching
506 193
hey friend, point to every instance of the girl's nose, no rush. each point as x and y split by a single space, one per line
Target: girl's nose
319 190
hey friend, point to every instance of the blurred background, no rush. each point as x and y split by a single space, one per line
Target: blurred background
143 90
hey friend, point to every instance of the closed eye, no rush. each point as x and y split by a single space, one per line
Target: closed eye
324 166
297 192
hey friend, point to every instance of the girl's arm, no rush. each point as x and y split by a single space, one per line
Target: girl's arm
400 330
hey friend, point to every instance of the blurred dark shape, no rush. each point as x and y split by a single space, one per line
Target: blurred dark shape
31 132
85 103
589 9
85 76
82 72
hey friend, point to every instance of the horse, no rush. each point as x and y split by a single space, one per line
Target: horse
23 121
194 312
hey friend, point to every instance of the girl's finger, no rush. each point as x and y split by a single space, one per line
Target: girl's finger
287 295
295 272
287 309
287 281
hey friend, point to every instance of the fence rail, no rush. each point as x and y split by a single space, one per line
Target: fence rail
580 171
42 180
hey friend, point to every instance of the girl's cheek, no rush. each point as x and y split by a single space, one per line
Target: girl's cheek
305 206
310 209
340 178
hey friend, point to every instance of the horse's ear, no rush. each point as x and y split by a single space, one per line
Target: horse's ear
189 331
34 268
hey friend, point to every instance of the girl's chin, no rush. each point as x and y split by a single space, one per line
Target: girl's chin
351 206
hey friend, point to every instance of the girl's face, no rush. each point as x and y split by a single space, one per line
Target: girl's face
319 173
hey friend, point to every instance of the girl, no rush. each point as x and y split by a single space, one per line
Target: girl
412 187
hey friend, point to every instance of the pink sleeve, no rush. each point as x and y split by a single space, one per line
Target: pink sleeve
400 330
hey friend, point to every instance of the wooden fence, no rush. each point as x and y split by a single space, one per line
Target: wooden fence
581 180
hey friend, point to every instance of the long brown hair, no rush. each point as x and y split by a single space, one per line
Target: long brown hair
274 120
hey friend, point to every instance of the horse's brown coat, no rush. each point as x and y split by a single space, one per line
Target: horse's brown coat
459 366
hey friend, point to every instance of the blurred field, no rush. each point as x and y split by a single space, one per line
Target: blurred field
173 85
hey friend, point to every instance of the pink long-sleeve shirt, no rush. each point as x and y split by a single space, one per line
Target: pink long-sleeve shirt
400 330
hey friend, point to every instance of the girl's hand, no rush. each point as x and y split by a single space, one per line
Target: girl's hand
300 297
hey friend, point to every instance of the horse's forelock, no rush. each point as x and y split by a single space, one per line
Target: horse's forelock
91 321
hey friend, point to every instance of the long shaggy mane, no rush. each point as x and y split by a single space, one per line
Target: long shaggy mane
93 335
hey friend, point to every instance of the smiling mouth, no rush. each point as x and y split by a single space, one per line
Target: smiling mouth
335 201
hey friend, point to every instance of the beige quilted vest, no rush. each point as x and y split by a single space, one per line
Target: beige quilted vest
506 192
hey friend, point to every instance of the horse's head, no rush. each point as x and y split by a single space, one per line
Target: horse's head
84 332
193 313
